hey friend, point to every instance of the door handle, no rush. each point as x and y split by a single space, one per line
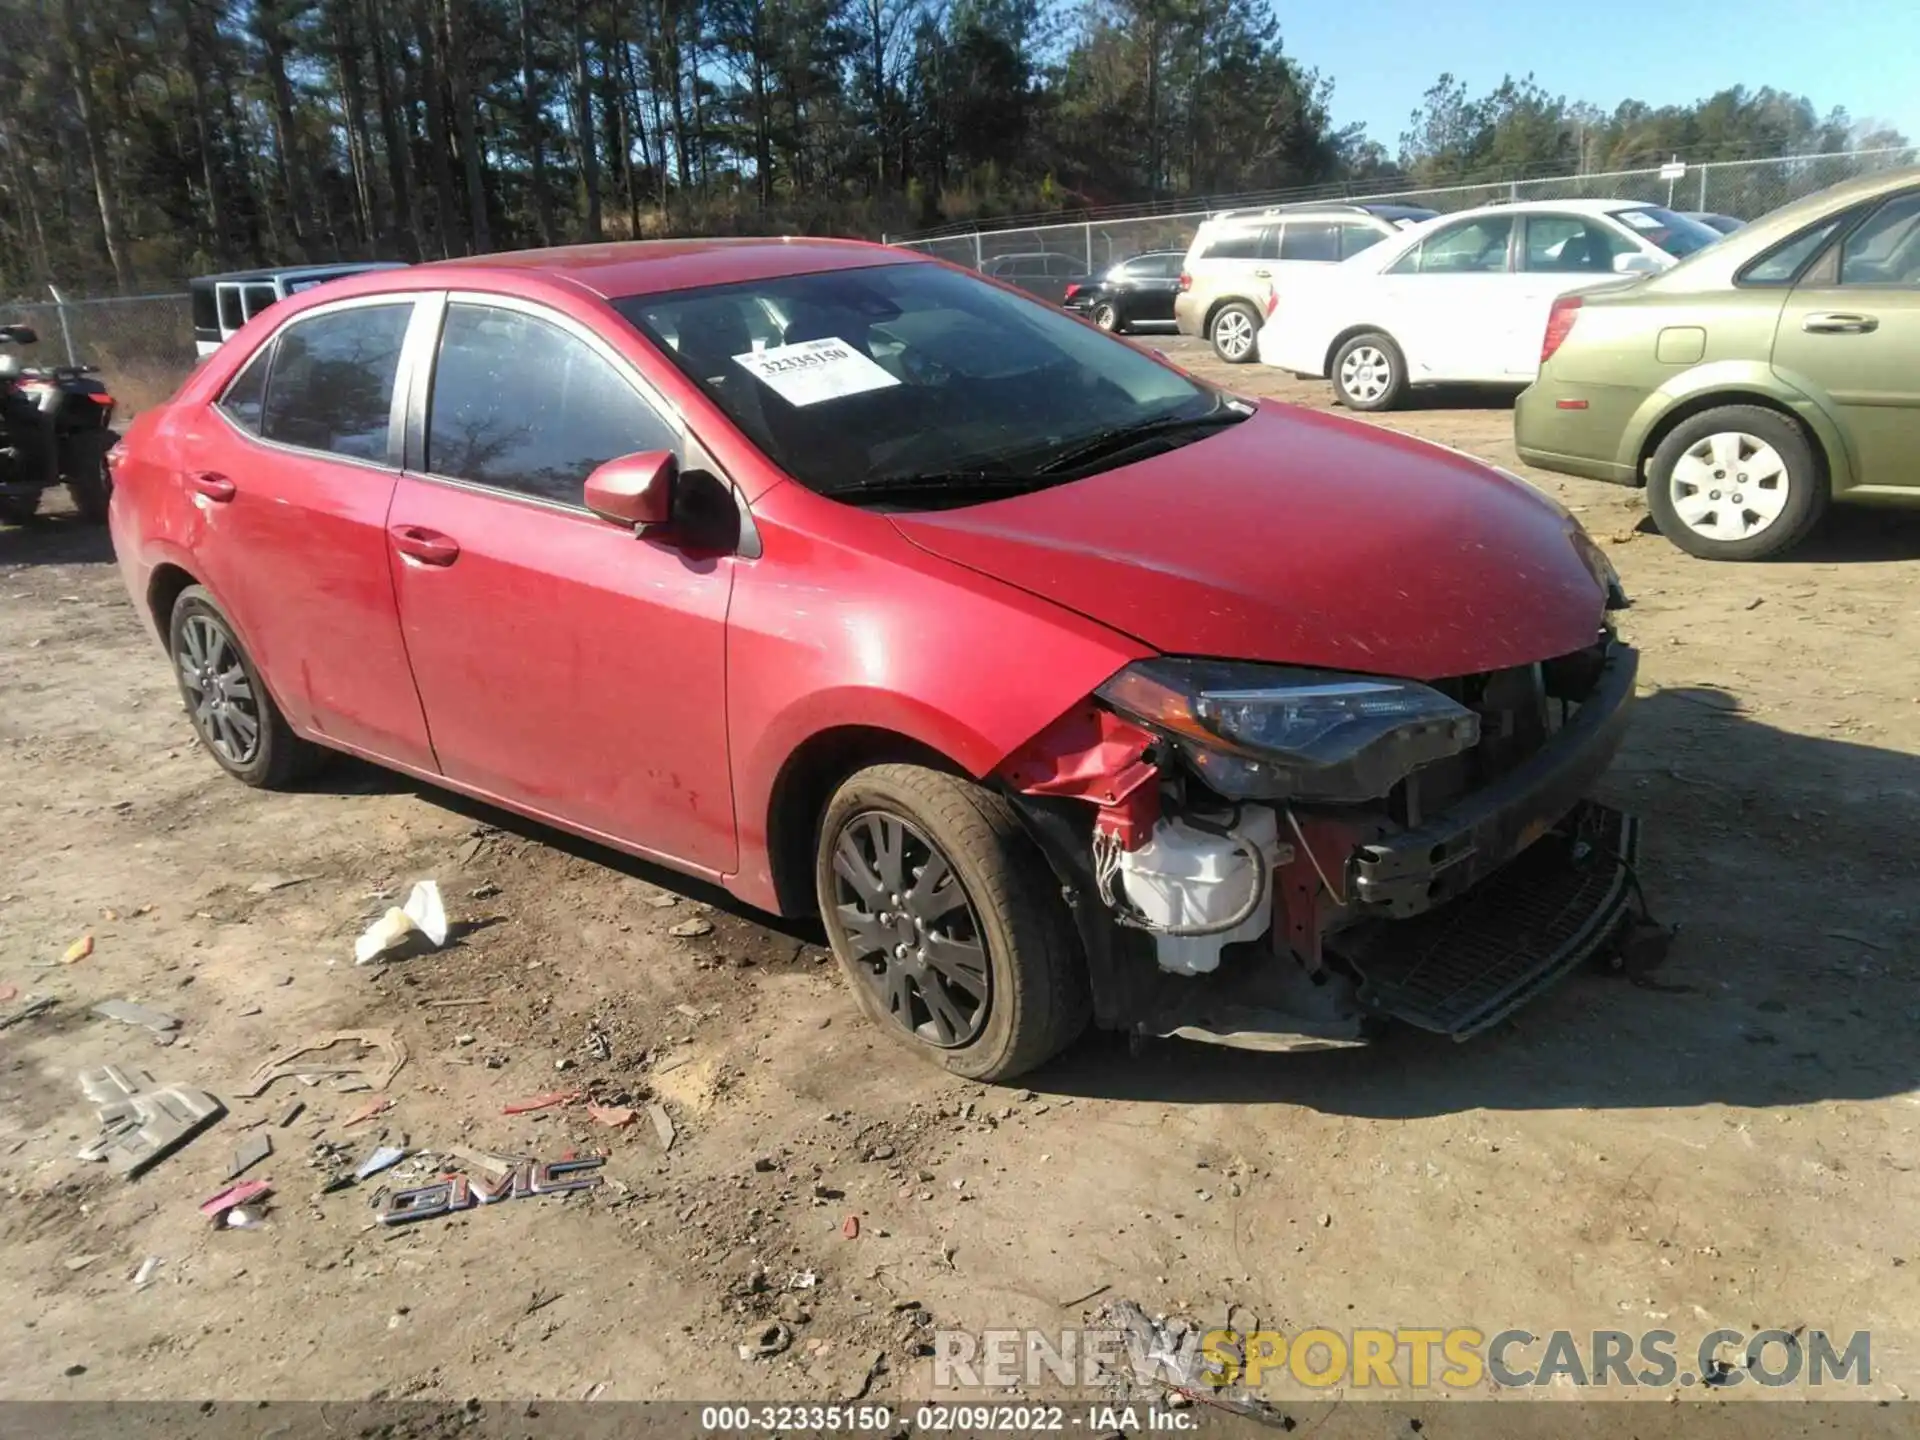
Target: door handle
1836 323
211 484
429 547
1262 274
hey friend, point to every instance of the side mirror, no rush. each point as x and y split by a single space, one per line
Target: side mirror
635 490
19 334
1635 263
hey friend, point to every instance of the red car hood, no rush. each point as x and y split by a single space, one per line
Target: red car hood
1297 538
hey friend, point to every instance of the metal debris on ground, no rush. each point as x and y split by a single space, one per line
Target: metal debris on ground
612 1116
662 1124
802 1280
249 1153
850 1227
424 914
450 1194
141 1123
79 950
37 1005
129 1013
144 1275
543 1102
277 882
243 1218
288 1064
292 1113
216 1206
769 1340
368 1111
691 929
385 1157
1079 1300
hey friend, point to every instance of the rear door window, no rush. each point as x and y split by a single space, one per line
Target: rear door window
521 404
1355 238
1317 240
331 388
1886 249
1559 244
1243 242
1473 247
247 391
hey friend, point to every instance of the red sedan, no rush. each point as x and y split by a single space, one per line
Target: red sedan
1060 684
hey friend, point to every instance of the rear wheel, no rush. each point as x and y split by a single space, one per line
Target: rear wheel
89 483
1234 332
1369 373
946 922
1736 483
1107 317
232 712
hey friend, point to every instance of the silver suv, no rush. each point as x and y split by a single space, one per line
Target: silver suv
1225 283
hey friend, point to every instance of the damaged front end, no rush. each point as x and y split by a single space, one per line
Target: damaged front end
1279 859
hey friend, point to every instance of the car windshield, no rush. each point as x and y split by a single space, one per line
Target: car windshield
1672 232
920 379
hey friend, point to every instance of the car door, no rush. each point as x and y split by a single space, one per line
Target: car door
566 666
1152 283
1441 301
1851 327
293 469
1558 252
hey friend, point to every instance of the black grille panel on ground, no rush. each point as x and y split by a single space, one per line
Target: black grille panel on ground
1469 964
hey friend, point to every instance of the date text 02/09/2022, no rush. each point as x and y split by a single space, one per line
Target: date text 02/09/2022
964 1419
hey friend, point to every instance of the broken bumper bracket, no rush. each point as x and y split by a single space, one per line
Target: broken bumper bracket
1471 963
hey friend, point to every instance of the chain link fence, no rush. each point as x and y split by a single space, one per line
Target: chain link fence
1745 189
143 344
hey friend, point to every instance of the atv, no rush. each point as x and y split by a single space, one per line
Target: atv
55 429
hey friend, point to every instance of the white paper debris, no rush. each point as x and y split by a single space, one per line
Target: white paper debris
814 370
424 912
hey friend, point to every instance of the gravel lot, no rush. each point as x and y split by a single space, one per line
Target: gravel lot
1731 1144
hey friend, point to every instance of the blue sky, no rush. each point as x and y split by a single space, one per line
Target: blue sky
1382 54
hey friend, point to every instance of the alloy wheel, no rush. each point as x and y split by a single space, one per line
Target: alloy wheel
913 936
1729 485
219 691
1366 373
1106 317
1233 333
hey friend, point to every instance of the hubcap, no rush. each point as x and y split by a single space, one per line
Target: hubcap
1104 317
1233 333
1729 485
1366 373
912 935
219 694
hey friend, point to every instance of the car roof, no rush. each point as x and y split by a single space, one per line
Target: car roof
639 267
1576 207
299 272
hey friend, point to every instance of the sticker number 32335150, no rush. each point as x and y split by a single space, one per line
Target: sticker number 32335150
814 370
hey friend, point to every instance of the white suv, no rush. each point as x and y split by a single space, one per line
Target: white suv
1237 255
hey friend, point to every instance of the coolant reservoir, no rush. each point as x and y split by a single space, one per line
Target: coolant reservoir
1184 876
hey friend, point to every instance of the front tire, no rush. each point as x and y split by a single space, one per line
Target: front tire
1736 483
231 711
1369 373
946 922
89 482
1235 332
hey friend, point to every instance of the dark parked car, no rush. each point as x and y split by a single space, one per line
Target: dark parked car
1042 274
1136 291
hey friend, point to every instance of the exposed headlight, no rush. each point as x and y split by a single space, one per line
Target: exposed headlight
1270 732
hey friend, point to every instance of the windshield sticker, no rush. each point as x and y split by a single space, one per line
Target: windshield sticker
1639 219
814 371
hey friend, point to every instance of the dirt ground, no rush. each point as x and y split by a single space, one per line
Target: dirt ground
1732 1144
